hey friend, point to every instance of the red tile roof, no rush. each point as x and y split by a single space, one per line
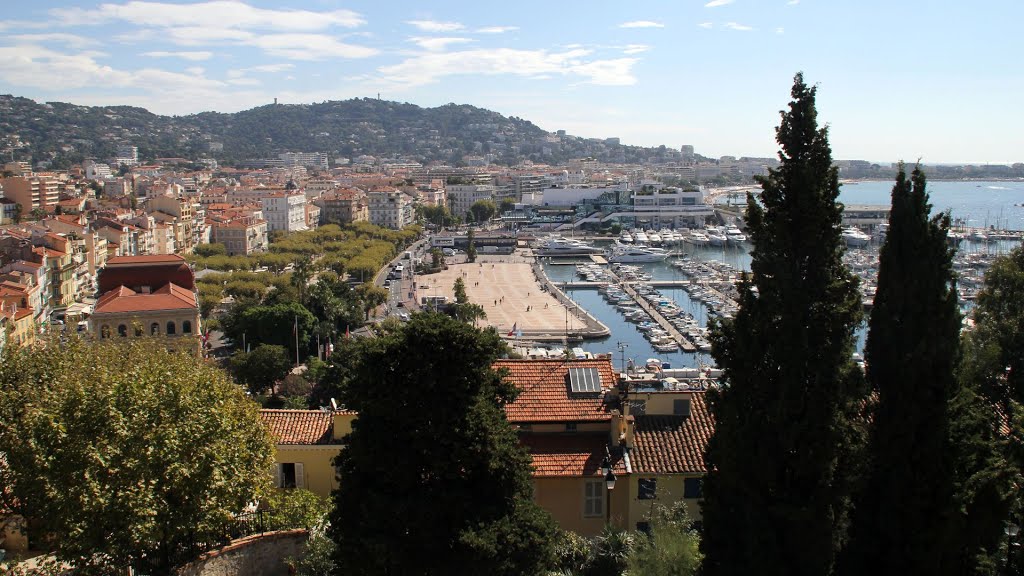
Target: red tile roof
568 455
673 444
544 391
168 297
149 259
298 427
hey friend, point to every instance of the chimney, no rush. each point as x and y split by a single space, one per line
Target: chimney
616 427
630 424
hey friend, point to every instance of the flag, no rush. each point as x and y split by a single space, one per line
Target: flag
347 335
514 330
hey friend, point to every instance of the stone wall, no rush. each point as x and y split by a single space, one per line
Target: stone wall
260 555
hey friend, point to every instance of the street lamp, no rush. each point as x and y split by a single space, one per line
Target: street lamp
1011 531
609 484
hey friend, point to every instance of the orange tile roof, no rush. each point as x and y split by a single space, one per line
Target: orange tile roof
673 444
294 427
168 297
568 455
147 259
544 391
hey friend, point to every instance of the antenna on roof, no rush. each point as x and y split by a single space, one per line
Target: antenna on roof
334 404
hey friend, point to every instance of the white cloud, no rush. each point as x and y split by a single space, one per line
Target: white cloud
705 25
641 24
717 3
780 30
267 68
219 14
196 70
738 27
431 67
792 2
194 56
244 82
636 48
307 47
435 26
72 40
496 29
435 44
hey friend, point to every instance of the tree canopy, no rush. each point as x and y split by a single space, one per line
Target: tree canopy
783 451
433 479
131 454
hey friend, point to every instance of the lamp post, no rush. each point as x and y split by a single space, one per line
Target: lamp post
609 484
1012 531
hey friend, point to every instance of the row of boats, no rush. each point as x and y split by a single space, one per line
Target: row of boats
710 236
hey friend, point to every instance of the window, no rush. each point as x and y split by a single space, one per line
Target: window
648 488
186 327
290 475
593 498
691 488
105 331
681 407
154 329
170 328
122 331
138 330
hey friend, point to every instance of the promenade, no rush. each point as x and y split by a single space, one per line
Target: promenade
512 294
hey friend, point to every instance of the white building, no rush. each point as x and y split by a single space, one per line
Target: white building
462 196
127 155
284 211
569 196
311 159
390 209
97 171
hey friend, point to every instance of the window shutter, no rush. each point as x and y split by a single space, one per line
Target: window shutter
300 476
277 475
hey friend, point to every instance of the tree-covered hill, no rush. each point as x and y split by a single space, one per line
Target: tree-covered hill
64 133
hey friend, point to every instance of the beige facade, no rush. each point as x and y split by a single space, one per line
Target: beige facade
243 235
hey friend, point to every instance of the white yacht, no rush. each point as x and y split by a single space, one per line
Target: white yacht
636 254
625 237
855 238
559 246
654 238
699 238
640 237
735 236
715 236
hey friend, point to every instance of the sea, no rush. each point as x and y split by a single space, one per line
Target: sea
998 204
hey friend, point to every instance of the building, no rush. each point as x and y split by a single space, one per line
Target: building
146 296
242 235
390 208
343 206
31 192
305 444
309 159
127 155
284 211
462 196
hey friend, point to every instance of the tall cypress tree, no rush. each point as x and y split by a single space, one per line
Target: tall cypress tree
776 492
903 514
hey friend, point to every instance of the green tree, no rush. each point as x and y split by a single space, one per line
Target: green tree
272 324
440 456
207 250
371 296
671 549
785 443
464 310
507 205
483 210
261 369
132 454
471 246
904 512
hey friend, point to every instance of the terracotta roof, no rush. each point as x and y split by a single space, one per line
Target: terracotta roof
544 391
168 297
149 259
568 455
673 444
293 427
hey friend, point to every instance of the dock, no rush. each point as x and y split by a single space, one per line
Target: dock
683 342
581 285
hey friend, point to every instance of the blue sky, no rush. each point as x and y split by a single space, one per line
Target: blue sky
939 80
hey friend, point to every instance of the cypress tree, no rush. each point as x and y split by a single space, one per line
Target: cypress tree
776 491
903 514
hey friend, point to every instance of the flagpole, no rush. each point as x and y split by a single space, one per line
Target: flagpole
296 340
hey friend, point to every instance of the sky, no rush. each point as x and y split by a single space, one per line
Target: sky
935 80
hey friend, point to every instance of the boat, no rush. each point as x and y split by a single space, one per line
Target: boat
855 238
735 236
625 237
654 238
715 236
559 246
698 238
636 254
955 238
640 237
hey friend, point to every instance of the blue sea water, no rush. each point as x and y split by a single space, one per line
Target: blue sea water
980 204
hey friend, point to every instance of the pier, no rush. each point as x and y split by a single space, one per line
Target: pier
683 342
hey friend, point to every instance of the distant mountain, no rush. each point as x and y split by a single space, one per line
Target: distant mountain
64 134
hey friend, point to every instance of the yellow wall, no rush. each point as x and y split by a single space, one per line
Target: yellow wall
659 402
563 499
669 490
318 472
580 427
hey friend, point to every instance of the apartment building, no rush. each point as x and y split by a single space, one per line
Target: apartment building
31 192
285 211
462 196
241 235
343 206
390 208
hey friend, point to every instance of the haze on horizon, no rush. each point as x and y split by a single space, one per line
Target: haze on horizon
912 80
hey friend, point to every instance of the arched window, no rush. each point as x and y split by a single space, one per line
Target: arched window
138 330
170 328
122 331
105 331
186 327
154 329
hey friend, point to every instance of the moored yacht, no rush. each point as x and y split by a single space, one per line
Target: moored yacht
640 237
559 246
636 254
855 238
735 236
715 236
625 237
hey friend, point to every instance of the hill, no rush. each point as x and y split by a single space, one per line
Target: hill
64 134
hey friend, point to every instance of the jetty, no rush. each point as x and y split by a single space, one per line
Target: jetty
658 317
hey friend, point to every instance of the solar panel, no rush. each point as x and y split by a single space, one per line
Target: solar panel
584 381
